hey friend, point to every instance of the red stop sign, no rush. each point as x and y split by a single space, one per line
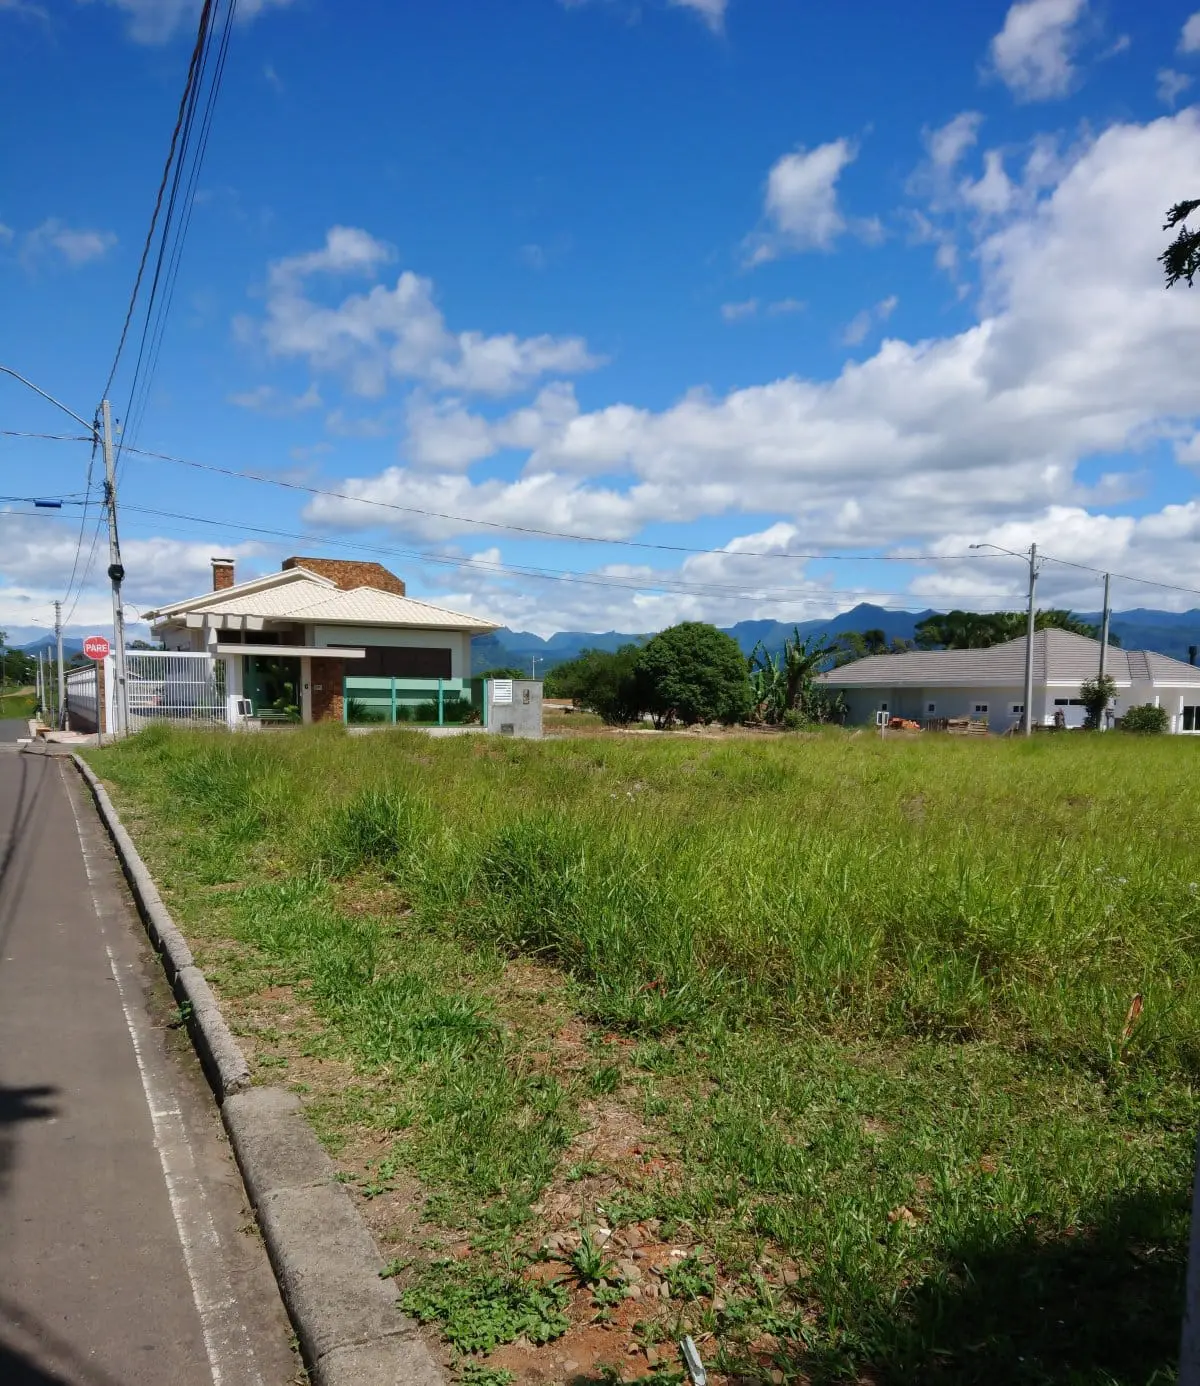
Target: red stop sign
96 647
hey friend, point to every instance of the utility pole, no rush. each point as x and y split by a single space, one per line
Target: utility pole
1104 627
1103 720
116 570
533 663
1029 642
61 718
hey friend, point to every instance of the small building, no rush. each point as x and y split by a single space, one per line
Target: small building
989 684
291 638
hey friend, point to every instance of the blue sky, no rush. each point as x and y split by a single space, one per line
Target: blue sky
770 278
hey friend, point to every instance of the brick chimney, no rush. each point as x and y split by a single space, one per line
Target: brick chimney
222 573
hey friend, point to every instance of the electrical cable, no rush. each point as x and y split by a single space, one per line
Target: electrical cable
1121 577
632 584
551 533
185 176
82 520
49 437
184 103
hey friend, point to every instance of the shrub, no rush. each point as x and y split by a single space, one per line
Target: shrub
1146 718
692 673
358 712
602 681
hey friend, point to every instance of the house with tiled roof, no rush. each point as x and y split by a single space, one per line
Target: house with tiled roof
303 629
989 684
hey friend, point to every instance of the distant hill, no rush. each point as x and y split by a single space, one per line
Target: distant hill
72 645
1168 632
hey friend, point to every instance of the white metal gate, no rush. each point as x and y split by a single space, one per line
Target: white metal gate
171 686
82 697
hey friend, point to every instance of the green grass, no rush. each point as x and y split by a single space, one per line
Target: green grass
869 997
17 705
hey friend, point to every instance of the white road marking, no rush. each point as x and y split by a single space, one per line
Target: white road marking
226 1339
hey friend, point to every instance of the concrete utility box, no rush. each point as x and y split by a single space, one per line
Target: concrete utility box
514 707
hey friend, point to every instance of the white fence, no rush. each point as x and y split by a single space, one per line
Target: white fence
82 697
171 686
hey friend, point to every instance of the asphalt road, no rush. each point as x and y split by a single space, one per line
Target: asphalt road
127 1254
11 728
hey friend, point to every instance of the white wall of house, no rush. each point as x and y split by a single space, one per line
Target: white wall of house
1182 706
458 642
1001 706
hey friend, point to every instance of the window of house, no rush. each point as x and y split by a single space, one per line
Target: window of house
1068 702
1017 709
1191 719
883 707
980 708
931 707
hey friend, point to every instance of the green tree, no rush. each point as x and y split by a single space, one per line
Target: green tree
1096 694
861 644
693 673
976 630
786 683
600 681
1181 259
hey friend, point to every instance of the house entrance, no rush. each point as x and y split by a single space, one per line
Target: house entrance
272 683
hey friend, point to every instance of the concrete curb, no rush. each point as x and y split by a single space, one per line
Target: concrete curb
351 1328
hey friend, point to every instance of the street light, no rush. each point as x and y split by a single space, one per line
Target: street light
1032 556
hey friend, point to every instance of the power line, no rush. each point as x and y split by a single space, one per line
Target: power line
185 102
1123 577
203 86
552 533
632 584
83 519
49 437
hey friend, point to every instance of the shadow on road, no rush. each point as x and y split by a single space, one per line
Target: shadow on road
47 1360
18 1105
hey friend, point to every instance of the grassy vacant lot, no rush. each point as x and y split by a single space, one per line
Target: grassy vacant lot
824 1049
17 703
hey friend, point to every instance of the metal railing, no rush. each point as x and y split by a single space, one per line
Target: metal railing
422 702
174 686
83 697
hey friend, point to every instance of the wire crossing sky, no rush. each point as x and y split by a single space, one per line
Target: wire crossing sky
606 314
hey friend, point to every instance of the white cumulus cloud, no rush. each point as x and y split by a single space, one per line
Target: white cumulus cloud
1074 355
801 208
396 333
1171 85
158 21
75 245
1033 52
1189 39
712 12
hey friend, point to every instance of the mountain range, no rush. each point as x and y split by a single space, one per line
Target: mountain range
1167 632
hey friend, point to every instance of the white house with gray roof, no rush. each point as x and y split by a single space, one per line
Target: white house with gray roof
990 683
